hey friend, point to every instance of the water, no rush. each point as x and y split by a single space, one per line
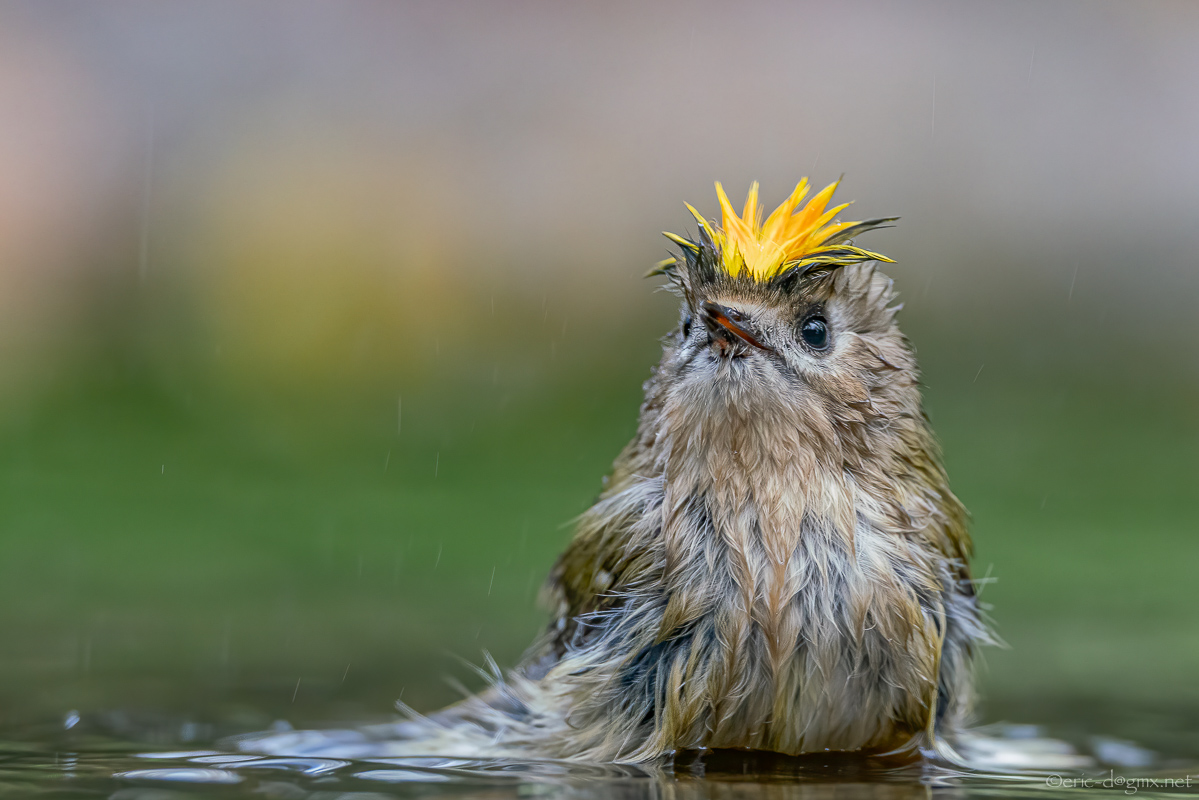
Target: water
83 761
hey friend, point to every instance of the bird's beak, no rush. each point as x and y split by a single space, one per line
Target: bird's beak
723 321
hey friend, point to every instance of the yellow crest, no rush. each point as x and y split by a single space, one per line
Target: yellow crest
790 235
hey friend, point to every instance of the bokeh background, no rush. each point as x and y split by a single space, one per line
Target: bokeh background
319 323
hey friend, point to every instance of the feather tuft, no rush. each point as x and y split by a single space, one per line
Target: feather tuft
792 237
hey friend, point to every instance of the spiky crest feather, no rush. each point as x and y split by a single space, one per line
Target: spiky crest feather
792 240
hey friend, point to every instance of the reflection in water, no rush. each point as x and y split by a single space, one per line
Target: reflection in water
180 775
91 765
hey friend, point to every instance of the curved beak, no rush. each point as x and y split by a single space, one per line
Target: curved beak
725 322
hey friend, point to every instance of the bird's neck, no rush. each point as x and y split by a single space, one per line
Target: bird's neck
764 474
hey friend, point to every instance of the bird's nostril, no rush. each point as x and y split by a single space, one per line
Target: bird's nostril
714 313
728 325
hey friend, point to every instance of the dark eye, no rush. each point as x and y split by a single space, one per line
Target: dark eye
814 331
686 326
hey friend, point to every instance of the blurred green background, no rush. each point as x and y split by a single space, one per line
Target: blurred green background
319 323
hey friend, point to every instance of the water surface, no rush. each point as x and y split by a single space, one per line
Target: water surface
82 760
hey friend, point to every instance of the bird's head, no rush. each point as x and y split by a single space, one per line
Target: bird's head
786 327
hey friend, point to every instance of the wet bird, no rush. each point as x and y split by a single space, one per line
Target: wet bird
776 561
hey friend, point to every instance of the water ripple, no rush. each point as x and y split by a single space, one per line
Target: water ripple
1007 762
181 775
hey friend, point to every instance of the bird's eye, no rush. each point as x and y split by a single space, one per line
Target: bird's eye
814 331
686 326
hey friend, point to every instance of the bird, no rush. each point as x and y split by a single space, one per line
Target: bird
776 561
